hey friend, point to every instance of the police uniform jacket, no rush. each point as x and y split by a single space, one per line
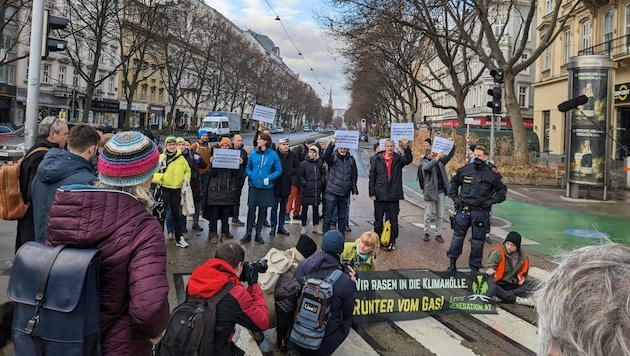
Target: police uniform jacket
476 183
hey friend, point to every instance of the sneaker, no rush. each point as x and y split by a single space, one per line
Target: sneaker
169 236
287 217
318 230
348 229
391 247
525 301
247 238
181 242
272 232
236 221
196 227
266 223
303 230
259 239
427 237
282 231
439 239
226 236
214 238
488 239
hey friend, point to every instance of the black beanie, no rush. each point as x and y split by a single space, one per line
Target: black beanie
515 238
306 246
428 140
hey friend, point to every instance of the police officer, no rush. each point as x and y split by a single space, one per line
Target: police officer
481 186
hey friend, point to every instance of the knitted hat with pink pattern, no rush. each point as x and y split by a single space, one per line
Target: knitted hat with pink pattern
128 159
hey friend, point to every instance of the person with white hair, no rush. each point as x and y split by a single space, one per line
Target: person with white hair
583 305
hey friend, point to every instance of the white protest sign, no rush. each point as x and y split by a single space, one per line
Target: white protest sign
347 139
441 144
264 114
226 158
402 130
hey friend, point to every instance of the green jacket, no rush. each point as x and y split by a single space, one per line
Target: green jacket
350 254
510 273
174 174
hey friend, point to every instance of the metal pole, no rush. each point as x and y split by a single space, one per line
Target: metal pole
492 138
74 100
34 63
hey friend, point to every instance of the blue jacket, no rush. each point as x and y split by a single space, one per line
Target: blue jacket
342 304
261 165
58 168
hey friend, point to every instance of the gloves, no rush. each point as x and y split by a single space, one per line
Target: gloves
486 204
458 203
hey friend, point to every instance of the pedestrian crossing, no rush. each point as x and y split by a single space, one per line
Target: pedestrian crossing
513 327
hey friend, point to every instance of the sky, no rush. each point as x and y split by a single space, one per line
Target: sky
299 19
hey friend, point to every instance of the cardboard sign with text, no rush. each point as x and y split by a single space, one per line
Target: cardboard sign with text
441 144
264 114
226 158
402 130
347 139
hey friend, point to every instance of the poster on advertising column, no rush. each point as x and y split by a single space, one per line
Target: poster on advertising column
587 150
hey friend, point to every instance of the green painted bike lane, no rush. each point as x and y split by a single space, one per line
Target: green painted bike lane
555 230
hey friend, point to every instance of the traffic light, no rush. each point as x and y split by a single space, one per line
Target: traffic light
497 74
495 104
51 44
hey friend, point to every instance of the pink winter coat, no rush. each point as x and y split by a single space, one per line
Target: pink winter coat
133 261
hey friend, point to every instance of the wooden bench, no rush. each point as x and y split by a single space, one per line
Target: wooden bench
561 171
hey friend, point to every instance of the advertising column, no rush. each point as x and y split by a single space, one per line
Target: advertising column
587 141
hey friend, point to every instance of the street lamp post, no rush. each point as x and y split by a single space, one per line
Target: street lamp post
74 99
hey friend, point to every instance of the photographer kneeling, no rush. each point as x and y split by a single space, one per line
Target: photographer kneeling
242 306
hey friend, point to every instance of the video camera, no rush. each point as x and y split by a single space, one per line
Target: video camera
250 268
347 263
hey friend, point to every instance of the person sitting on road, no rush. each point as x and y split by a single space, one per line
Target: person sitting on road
583 305
509 266
243 306
361 254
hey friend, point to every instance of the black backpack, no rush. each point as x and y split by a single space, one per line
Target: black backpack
190 330
286 295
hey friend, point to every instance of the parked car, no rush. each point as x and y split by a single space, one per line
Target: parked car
12 148
306 129
6 130
277 129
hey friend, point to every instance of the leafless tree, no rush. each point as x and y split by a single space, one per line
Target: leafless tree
13 25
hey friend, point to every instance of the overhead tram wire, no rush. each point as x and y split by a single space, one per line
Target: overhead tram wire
295 46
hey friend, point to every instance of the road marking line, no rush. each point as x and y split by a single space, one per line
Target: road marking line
435 336
511 326
354 344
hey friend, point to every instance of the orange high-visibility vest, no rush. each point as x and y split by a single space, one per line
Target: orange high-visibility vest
500 269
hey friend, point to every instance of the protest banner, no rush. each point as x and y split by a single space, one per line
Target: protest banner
402 130
264 114
441 144
225 158
347 139
414 294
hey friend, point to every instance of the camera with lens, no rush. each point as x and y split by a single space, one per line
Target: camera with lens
348 263
250 268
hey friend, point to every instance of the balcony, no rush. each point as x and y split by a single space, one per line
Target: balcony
615 48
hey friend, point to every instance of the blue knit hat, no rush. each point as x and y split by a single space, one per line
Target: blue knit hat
129 158
332 242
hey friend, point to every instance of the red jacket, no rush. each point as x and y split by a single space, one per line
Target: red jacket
133 262
246 307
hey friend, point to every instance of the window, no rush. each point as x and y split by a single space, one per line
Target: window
524 57
143 94
161 96
145 70
11 74
586 35
8 43
567 46
498 27
627 27
100 81
608 30
75 79
154 73
547 58
112 58
10 14
62 75
46 74
101 57
153 94
523 96
110 86
549 6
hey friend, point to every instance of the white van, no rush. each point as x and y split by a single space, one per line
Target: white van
215 126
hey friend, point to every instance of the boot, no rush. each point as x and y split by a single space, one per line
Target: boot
317 229
453 266
303 230
214 238
259 239
247 238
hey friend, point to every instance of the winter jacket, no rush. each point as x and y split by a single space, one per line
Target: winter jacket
58 168
245 307
222 187
301 153
203 149
388 187
133 261
290 163
351 255
342 304
28 167
311 178
242 167
476 183
502 264
171 175
429 169
261 165
342 173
